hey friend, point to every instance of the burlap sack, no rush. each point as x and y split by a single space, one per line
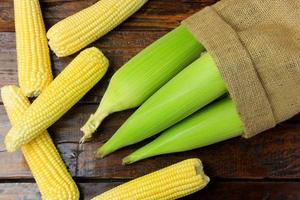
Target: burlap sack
256 46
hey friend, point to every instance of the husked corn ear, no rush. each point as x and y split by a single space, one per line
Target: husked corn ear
34 68
77 31
144 74
214 123
47 167
194 87
69 86
172 182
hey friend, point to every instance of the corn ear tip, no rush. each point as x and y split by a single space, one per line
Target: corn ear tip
87 132
51 46
82 140
100 154
49 33
9 87
127 160
206 178
94 50
31 93
8 144
3 91
92 125
199 170
6 90
52 49
97 52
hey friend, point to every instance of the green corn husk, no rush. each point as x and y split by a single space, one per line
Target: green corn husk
196 86
144 74
214 123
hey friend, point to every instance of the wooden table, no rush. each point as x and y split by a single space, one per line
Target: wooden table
264 167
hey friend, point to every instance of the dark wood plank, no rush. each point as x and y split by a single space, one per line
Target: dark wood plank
216 190
274 154
13 166
155 15
12 191
221 190
248 191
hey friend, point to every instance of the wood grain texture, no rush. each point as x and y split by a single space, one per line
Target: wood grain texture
216 190
274 154
155 15
240 168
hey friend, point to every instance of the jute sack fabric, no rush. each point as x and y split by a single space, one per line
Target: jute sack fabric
256 46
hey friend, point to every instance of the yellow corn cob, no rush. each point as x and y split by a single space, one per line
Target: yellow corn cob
47 167
70 86
77 31
173 182
34 68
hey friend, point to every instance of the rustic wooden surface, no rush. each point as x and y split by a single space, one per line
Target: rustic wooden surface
264 167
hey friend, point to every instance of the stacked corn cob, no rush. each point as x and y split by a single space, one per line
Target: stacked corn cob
67 88
43 159
48 169
79 30
170 183
34 68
